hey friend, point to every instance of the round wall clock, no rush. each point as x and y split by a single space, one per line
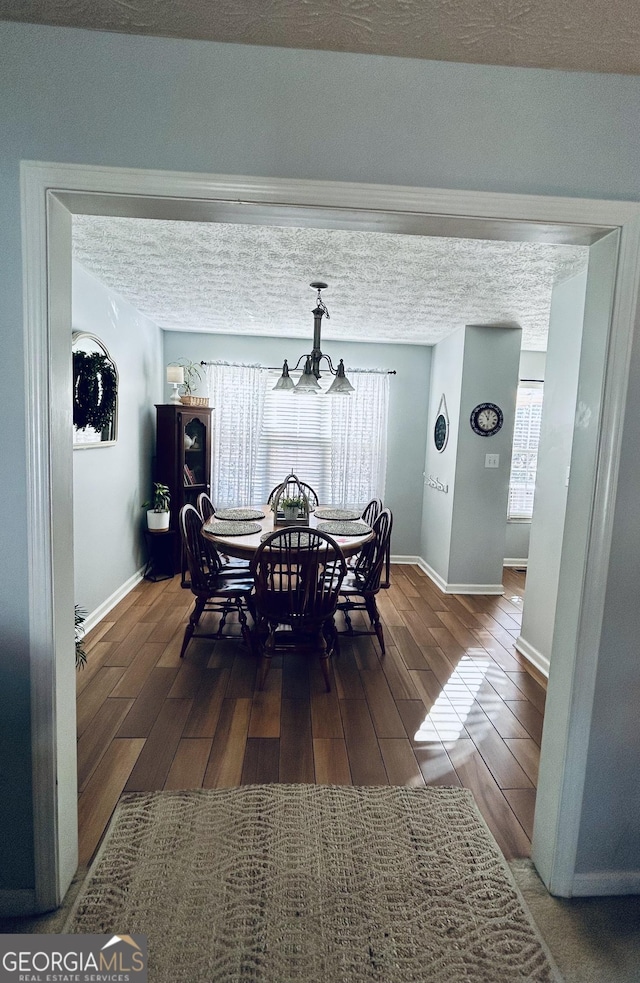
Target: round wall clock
486 419
440 432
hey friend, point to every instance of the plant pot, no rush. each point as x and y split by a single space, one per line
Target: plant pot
290 511
158 521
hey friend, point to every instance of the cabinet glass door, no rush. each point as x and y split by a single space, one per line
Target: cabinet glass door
195 444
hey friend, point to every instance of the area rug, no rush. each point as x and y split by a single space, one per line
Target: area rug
312 883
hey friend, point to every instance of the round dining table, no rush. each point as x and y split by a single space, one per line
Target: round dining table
244 547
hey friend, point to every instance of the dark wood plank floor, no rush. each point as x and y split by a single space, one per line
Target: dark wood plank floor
450 704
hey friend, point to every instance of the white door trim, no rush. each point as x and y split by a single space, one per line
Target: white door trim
78 188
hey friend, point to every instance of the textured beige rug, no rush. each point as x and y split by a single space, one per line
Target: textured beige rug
309 883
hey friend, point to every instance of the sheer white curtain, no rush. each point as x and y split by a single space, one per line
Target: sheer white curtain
338 444
237 394
359 439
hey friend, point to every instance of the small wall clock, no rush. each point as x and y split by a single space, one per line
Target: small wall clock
486 419
441 426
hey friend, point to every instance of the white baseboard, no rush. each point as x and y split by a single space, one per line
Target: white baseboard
532 655
510 561
413 560
103 609
604 883
447 588
14 903
432 575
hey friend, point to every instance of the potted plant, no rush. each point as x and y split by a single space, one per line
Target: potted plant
192 378
80 618
158 515
292 506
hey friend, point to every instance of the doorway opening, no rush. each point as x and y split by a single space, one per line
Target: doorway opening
51 195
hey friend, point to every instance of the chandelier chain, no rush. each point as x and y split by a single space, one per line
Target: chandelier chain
321 304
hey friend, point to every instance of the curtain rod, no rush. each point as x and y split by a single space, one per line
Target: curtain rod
278 368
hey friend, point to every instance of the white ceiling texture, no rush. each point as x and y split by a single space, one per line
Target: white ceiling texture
382 286
575 35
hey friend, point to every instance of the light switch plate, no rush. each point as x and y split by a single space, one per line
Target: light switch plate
492 460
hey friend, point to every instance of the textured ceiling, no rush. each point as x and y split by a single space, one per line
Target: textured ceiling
383 287
584 35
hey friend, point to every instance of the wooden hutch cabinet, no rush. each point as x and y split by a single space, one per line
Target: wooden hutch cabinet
183 458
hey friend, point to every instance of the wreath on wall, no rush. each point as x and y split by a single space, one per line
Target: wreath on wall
95 390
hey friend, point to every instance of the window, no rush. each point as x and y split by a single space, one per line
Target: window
524 459
296 436
336 444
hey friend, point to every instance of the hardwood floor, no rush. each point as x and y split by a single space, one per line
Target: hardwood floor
450 704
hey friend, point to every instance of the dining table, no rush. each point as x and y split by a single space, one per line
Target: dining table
243 545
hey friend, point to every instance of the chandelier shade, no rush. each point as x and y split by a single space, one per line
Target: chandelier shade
308 382
340 385
285 381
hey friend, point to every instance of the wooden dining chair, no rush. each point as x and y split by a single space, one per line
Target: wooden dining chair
298 573
213 591
219 562
205 506
362 583
370 513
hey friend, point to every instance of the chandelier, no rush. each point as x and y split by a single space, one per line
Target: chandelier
308 381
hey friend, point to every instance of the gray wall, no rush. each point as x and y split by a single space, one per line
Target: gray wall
408 393
516 542
110 483
610 829
489 374
437 510
464 528
610 824
111 99
612 739
554 456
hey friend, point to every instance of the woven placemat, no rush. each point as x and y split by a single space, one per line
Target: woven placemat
344 528
233 528
236 515
345 514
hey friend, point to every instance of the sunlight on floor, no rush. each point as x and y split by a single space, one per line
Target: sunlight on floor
445 720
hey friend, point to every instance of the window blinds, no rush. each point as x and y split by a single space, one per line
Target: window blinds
524 459
338 445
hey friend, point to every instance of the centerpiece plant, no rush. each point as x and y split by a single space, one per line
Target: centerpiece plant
291 506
